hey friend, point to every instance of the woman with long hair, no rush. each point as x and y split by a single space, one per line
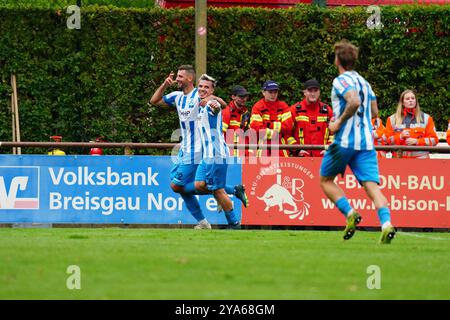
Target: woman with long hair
410 126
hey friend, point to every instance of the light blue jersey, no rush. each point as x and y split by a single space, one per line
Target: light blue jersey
188 107
215 149
356 132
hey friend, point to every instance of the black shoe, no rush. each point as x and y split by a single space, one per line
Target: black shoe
236 226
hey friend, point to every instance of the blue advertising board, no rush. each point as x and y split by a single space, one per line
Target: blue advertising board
98 190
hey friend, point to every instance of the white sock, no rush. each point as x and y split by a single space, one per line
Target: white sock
350 213
385 225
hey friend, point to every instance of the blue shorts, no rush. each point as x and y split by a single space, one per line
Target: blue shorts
182 174
364 163
215 175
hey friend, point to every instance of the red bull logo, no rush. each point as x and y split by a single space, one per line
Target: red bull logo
278 192
287 193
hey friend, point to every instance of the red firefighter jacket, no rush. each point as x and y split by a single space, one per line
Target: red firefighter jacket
235 122
273 123
311 124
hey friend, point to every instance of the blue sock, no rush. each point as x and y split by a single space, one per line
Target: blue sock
229 189
384 214
190 189
231 217
193 206
343 205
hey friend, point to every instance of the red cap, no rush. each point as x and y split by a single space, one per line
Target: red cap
56 138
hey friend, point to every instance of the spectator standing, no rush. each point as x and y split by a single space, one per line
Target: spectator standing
236 119
411 127
311 118
272 120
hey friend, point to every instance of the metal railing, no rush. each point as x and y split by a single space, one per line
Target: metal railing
136 145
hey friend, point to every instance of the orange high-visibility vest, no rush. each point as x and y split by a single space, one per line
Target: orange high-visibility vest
379 135
448 133
424 132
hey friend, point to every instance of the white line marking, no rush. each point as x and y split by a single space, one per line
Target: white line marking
422 236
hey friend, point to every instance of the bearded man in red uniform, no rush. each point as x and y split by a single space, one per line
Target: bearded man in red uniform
311 118
272 121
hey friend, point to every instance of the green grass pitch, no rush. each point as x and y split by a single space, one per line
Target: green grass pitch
221 264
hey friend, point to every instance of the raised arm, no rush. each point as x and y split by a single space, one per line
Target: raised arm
157 98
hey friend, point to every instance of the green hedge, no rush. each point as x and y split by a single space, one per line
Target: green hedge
58 4
98 80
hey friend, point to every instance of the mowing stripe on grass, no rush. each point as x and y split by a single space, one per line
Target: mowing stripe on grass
422 236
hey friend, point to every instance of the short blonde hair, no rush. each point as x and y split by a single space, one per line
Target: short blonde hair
208 78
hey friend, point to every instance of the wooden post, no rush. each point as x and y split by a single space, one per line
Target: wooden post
13 122
200 36
16 111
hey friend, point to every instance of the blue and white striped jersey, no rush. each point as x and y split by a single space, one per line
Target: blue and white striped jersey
187 107
215 149
356 132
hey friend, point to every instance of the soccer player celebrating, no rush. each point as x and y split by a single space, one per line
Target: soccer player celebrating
212 172
353 105
182 175
186 100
